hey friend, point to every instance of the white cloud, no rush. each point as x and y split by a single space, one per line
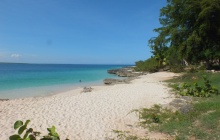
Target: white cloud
15 55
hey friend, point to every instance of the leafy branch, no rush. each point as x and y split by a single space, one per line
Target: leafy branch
25 133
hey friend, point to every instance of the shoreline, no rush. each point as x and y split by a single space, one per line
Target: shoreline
48 90
90 115
23 78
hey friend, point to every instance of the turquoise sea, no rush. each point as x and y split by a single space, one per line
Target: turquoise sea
30 80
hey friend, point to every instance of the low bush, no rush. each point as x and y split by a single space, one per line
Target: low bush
195 90
176 68
151 115
150 65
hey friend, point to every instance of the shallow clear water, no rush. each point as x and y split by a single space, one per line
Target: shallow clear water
28 80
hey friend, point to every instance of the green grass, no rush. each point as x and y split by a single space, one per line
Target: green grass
203 122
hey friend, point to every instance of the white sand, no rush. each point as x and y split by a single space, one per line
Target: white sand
88 116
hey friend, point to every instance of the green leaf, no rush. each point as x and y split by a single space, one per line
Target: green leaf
53 131
30 130
27 122
50 138
14 137
21 129
32 137
25 136
18 124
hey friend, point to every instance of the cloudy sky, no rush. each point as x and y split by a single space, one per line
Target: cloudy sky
77 31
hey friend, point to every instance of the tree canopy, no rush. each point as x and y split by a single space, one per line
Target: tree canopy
190 31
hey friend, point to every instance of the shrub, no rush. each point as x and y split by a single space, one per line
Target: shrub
197 91
150 65
193 70
176 68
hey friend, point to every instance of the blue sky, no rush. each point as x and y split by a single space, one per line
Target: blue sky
77 31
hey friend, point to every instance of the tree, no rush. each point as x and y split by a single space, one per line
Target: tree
191 28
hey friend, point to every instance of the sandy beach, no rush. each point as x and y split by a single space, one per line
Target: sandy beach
91 115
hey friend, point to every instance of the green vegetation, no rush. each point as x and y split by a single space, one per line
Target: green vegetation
125 135
150 65
197 77
195 90
200 123
25 133
189 34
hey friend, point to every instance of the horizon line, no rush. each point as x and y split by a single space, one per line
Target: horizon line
64 63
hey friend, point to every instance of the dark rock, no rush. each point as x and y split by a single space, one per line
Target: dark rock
182 104
187 98
87 89
113 81
186 108
113 71
177 103
4 99
125 72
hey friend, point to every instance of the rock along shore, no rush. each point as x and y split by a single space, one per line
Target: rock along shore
128 72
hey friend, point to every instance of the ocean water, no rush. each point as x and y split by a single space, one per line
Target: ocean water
30 80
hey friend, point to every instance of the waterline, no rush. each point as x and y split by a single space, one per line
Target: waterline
30 80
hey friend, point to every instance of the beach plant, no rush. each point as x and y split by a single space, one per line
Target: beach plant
195 90
154 115
25 133
125 135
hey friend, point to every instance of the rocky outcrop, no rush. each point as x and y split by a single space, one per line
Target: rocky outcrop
113 81
113 71
128 72
125 72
